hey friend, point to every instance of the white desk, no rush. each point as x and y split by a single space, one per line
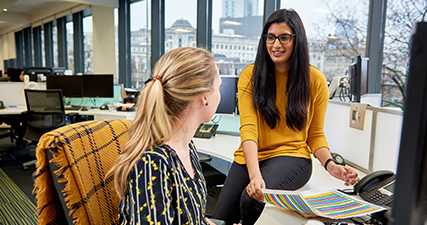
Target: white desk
223 147
13 111
321 181
105 114
97 113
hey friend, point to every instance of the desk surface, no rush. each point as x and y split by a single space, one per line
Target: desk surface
320 180
13 111
223 147
99 114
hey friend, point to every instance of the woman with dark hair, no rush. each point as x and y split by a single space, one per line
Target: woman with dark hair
282 104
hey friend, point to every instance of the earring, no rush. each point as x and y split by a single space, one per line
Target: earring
206 104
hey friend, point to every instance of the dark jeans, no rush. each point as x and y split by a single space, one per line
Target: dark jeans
234 203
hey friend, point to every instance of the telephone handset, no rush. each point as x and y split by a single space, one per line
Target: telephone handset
377 187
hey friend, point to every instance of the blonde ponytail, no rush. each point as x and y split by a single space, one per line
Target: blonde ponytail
180 76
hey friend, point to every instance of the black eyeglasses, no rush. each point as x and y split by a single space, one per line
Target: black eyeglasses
283 39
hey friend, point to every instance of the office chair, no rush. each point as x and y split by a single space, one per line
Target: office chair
72 162
6 132
45 112
215 180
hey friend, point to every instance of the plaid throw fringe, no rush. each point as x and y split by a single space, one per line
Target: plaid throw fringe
83 154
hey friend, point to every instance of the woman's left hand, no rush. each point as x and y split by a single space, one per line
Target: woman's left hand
348 175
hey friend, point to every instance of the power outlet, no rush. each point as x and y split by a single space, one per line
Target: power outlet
357 115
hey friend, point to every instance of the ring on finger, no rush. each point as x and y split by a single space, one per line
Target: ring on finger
249 189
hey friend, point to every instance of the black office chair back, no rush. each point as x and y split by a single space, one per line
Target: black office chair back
45 112
44 100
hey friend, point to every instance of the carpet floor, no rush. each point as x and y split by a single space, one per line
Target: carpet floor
15 206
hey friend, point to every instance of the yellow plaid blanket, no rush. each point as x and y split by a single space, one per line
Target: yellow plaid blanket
83 153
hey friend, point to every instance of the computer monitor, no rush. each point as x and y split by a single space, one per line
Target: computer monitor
71 85
228 89
58 70
410 192
98 85
14 73
358 72
33 72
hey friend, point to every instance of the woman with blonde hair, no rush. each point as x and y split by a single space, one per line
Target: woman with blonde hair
158 175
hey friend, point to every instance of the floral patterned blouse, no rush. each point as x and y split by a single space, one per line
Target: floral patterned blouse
160 190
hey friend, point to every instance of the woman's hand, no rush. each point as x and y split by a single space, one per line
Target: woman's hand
348 175
254 189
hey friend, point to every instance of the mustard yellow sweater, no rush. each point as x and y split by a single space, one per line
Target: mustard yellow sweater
282 141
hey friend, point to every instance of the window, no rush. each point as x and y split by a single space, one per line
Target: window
88 45
55 44
400 17
43 59
233 25
140 39
70 45
336 32
180 23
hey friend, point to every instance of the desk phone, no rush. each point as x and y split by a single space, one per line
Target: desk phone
206 130
377 188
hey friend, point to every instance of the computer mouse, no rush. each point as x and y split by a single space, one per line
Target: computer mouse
103 107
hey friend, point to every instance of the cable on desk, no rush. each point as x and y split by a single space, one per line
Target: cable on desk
214 119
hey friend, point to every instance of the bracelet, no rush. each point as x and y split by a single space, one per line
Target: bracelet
329 160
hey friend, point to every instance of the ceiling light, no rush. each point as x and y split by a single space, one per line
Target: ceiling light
4 10
179 30
229 22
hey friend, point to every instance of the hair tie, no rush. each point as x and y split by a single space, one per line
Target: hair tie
157 77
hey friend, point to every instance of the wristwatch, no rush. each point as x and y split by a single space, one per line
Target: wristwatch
327 162
338 158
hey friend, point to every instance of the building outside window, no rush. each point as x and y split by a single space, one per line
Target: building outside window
55 44
88 45
140 42
237 26
70 46
180 24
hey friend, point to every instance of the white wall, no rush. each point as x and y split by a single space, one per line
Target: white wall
387 141
352 144
7 48
104 60
12 93
374 148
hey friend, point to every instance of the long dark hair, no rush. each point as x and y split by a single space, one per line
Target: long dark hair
298 85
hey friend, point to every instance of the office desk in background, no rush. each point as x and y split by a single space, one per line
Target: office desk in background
104 114
97 113
12 93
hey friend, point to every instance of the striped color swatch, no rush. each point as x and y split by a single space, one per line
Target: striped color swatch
329 204
290 201
338 205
